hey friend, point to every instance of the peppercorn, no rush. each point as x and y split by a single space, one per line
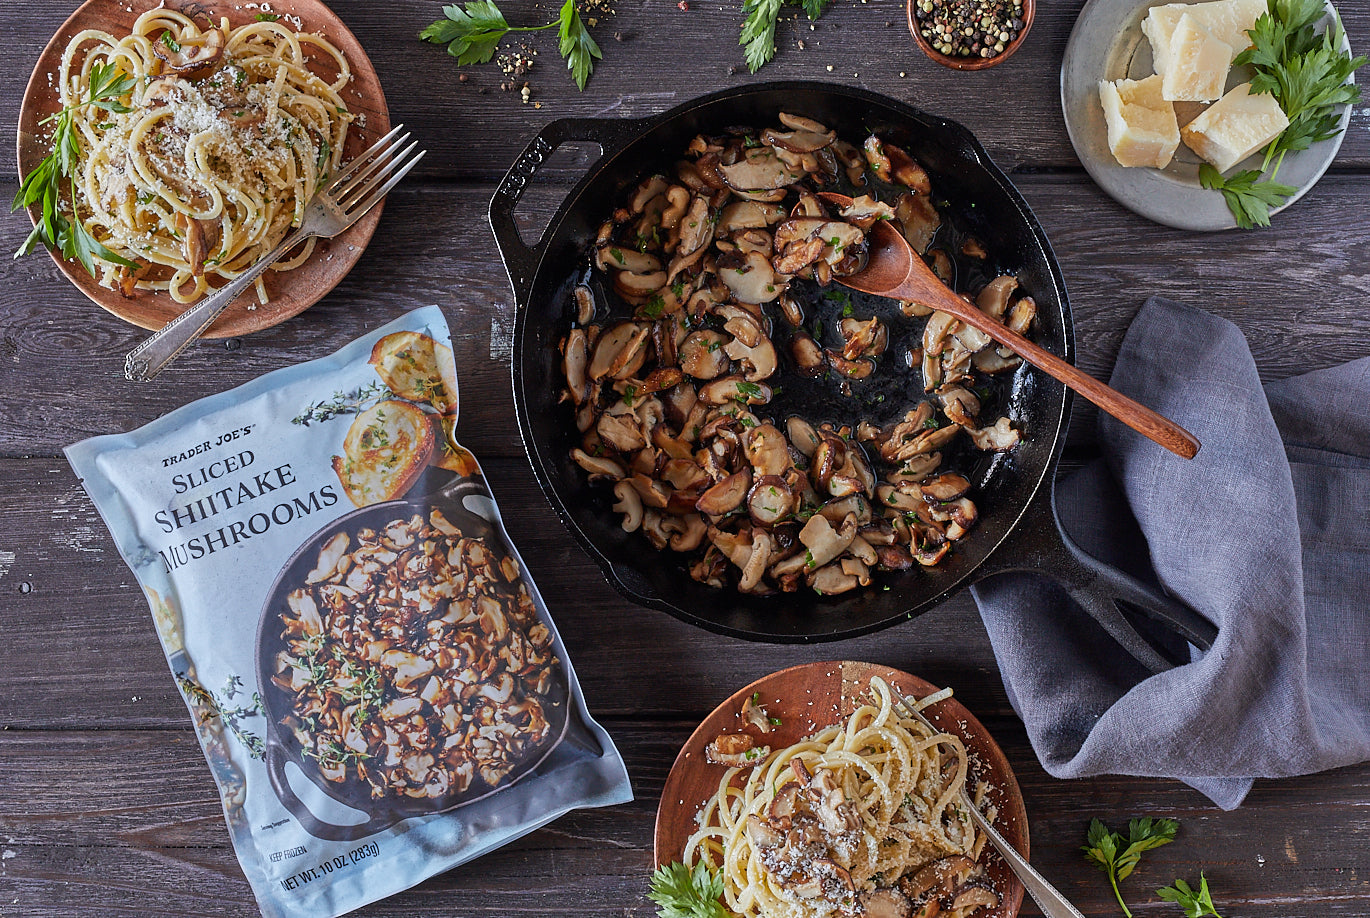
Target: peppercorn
969 28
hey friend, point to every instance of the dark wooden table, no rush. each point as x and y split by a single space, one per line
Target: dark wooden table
106 805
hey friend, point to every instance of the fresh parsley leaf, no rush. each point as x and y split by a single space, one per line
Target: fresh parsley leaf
1117 856
170 42
758 26
472 33
268 17
576 45
1248 197
1309 75
680 892
1196 903
758 31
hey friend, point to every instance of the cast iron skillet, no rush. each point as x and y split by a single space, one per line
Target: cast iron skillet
281 745
1018 529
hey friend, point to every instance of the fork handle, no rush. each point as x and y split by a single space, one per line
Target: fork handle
157 352
1051 902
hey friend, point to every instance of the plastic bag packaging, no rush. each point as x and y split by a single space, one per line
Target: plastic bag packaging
375 681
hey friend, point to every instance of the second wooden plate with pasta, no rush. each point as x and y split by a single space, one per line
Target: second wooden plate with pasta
289 293
803 700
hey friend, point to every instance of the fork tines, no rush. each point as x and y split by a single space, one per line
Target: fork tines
370 176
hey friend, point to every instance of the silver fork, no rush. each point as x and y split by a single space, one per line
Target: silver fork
1051 902
333 209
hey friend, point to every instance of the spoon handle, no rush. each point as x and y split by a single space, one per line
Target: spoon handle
1140 418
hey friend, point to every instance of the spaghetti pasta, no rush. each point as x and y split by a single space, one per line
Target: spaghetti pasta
229 134
832 823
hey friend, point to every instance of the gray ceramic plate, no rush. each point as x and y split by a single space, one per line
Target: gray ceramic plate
1107 44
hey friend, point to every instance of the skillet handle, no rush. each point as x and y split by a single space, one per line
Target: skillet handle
1099 588
521 260
276 759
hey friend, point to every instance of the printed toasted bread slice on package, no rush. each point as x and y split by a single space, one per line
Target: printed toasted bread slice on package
385 452
417 368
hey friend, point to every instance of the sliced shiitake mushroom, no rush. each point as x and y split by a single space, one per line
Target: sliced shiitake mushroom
864 339
994 360
770 500
993 297
735 750
865 211
725 496
904 170
960 405
945 487
585 304
702 355
190 56
163 91
734 389
879 163
759 170
629 504
620 352
998 437
798 141
918 219
129 277
1022 313
749 276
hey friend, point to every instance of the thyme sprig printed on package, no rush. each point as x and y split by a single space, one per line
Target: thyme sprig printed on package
343 403
212 708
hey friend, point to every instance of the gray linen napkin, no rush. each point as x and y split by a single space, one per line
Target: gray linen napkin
1266 532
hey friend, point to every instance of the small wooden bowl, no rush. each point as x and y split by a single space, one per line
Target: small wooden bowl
970 63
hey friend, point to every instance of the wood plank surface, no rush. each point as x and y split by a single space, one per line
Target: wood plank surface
664 56
149 829
106 805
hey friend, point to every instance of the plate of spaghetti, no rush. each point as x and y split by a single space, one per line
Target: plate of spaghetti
811 794
189 137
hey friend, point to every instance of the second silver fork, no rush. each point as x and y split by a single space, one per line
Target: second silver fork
333 209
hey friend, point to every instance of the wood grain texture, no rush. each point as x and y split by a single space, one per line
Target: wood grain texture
106 805
148 837
665 56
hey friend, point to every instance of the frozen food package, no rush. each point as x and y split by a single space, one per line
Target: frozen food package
375 680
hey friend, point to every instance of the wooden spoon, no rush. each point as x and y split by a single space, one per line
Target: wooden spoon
896 271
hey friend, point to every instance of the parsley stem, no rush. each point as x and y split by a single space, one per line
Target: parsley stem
1113 879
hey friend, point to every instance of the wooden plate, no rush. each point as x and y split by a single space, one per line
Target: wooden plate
291 292
815 695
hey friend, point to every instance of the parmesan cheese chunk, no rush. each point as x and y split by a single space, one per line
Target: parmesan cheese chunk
1225 20
1142 130
1198 64
1234 127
